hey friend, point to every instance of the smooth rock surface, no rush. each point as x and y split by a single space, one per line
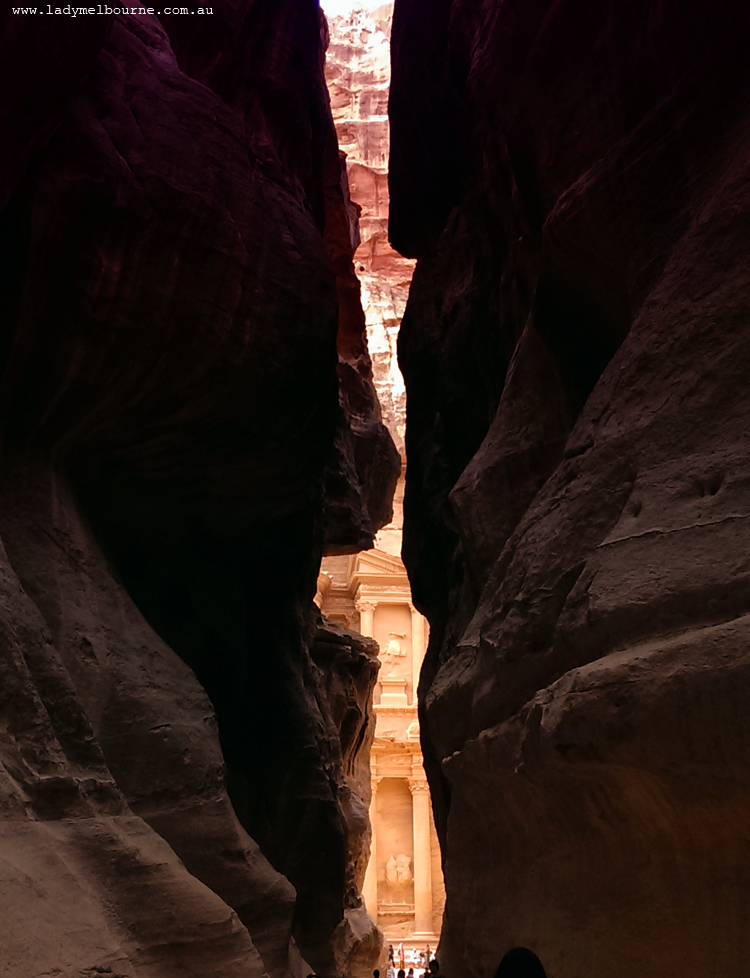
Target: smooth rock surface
179 373
576 184
87 884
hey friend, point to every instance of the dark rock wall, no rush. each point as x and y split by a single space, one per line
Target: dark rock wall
173 410
575 181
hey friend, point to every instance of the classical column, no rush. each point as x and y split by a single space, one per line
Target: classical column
420 794
370 886
417 645
366 611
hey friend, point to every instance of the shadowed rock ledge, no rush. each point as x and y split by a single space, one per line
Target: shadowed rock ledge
575 182
188 418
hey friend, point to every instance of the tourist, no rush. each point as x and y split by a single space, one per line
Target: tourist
401 973
435 971
391 970
401 956
376 973
410 973
520 962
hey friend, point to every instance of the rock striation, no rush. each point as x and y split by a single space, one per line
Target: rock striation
575 182
188 418
358 76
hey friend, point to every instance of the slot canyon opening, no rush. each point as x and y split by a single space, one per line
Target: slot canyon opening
369 591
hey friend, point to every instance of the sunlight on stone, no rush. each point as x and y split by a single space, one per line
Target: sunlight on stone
369 592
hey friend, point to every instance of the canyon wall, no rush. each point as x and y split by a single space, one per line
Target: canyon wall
358 76
575 182
188 419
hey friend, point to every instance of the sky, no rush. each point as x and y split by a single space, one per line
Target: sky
334 7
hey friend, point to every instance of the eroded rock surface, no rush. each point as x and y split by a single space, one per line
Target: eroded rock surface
188 416
348 664
575 182
358 77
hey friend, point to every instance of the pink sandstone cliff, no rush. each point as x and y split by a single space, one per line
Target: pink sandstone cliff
358 77
575 182
188 419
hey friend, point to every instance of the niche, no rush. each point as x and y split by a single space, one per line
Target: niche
395 849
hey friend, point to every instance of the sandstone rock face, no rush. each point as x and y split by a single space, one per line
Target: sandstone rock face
188 418
358 76
575 182
349 665
111 770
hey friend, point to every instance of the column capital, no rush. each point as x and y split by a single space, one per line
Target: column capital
363 605
419 786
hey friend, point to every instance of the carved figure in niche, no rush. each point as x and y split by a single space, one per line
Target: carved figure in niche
403 869
393 654
398 870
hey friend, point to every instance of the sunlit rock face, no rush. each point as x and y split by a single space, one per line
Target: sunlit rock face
358 76
348 664
188 418
576 186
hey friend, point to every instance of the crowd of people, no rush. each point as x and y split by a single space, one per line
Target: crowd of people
418 961
519 962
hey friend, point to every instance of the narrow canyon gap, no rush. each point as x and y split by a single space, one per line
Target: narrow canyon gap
403 886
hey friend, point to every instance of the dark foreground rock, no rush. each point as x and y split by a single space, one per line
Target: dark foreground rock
173 409
575 181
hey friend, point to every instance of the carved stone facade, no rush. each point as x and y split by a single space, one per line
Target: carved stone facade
369 592
403 887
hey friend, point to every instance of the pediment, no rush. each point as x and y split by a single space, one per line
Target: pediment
376 562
